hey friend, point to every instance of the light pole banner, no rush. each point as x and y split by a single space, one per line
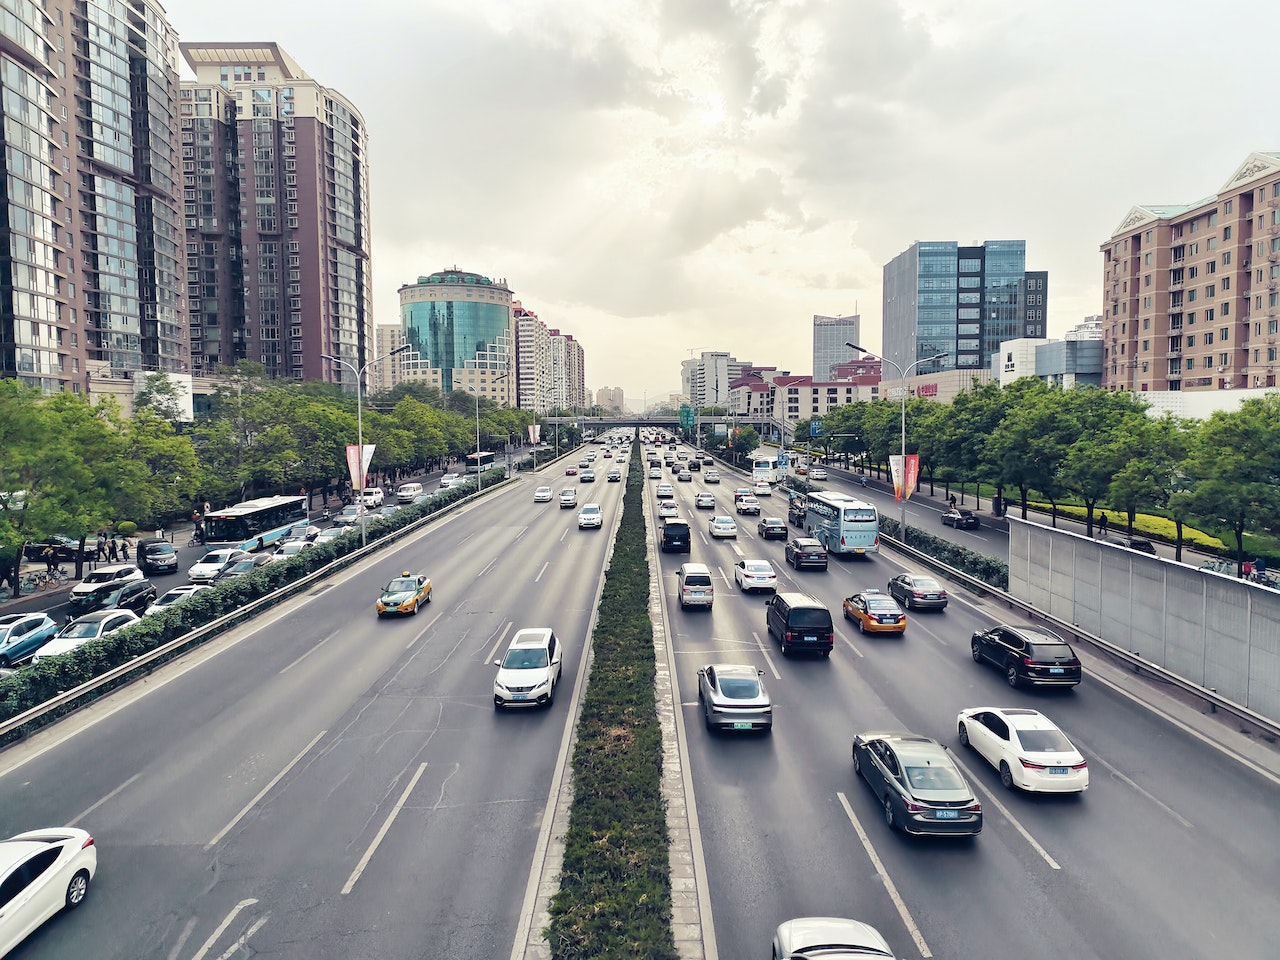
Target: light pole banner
913 473
904 487
895 468
535 433
359 471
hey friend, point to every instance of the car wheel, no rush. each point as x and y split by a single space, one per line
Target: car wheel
1011 675
857 764
976 651
77 889
415 608
964 735
551 697
1006 775
786 650
4 663
889 819
911 603
861 628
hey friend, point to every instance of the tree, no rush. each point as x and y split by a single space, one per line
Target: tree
744 441
1108 423
1032 440
162 395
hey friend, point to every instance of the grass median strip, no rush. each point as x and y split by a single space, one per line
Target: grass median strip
615 885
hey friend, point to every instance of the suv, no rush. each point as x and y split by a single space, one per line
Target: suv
800 622
156 555
1027 655
530 671
676 537
92 592
695 585
371 496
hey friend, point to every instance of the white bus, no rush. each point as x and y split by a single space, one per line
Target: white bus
478 463
764 467
254 524
843 524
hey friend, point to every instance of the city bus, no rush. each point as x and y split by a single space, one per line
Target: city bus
479 463
843 523
764 467
254 523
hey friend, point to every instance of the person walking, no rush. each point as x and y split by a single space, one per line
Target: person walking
124 549
1102 525
100 547
113 550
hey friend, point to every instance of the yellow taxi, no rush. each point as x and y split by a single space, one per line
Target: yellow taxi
875 612
404 594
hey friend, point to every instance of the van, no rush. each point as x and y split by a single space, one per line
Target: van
676 537
407 491
800 622
696 588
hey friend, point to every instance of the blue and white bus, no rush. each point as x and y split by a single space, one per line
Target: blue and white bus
764 467
479 462
255 523
843 524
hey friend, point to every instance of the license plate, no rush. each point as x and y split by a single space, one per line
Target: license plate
931 596
888 620
1057 670
697 593
946 814
742 726
1059 770
519 696
859 550
810 639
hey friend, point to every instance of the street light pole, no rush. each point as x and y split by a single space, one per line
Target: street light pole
360 417
479 472
902 375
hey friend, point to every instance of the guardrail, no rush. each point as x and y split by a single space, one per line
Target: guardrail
143 662
1128 658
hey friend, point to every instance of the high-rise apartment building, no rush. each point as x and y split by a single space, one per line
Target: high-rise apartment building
385 375
1191 292
568 373
534 387
940 297
830 334
276 184
706 380
90 256
611 398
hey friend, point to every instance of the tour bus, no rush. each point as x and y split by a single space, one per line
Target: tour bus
255 523
843 523
479 463
764 467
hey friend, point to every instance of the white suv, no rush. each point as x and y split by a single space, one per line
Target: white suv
371 496
530 671
590 516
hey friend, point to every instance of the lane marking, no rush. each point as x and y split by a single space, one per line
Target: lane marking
849 642
1115 772
487 567
263 792
243 940
523 531
502 635
109 796
213 937
563 535
900 904
183 937
1017 824
382 832
542 571
314 648
767 659
722 576
423 632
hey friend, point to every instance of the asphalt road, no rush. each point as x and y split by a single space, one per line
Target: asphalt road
323 784
1160 858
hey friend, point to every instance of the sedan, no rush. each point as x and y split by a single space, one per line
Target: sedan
828 937
42 872
711 476
684 476
64 548
917 784
587 476
542 495
1027 748
752 575
22 634
748 504
734 698
915 591
240 568
875 612
405 594
1030 655
961 519
817 473
208 566
806 552
655 473
570 471
665 491
614 476
720 527
668 508
772 528
705 501
176 595
585 462
92 626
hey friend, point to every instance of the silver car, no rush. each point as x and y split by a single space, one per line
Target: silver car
734 698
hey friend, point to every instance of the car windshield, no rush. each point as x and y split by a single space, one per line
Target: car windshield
760 567
925 583
100 576
215 556
81 629
934 777
740 688
881 605
153 549
525 658
590 509
1044 741
402 585
241 566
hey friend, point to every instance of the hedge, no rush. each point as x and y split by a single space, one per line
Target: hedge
35 684
987 569
615 886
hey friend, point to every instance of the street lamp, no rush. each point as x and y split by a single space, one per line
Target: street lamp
902 374
475 389
360 415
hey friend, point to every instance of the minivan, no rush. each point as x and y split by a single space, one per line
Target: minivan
800 622
696 588
407 491
675 536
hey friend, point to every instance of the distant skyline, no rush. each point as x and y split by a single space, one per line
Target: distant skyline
656 178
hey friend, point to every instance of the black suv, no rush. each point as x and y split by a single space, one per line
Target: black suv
135 595
156 555
1027 655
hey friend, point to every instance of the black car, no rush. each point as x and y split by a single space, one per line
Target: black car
914 590
135 595
1028 655
961 519
806 552
1133 543
917 784
796 511
157 555
64 549
772 528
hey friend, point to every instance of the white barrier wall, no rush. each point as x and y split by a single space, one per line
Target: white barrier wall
1208 628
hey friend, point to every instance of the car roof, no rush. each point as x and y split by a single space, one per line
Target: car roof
13 852
744 670
96 615
1035 634
1024 718
531 637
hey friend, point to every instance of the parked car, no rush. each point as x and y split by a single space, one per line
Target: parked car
1030 655
92 626
806 552
875 612
65 549
912 591
42 873
22 634
917 784
771 528
1026 747
961 519
734 698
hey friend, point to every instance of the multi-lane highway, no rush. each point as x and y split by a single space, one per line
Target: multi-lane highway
323 784
1160 858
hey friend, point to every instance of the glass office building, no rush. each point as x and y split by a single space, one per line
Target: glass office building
455 320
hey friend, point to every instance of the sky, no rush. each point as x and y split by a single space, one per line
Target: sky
662 178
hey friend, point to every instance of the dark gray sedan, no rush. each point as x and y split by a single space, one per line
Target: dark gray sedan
912 591
734 698
961 519
917 784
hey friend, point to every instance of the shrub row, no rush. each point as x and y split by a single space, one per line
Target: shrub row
615 887
38 683
987 569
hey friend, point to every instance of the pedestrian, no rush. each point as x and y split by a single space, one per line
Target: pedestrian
50 558
1102 524
952 501
113 550
1260 567
259 545
100 547
207 508
124 549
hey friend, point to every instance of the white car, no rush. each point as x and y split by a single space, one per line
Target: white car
711 476
449 479
668 508
568 497
42 872
212 563
372 497
1027 748
655 473
705 501
175 595
350 515
92 626
722 527
290 548
762 489
834 937
82 594
817 473
665 491
748 504
542 495
530 671
590 516
755 575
